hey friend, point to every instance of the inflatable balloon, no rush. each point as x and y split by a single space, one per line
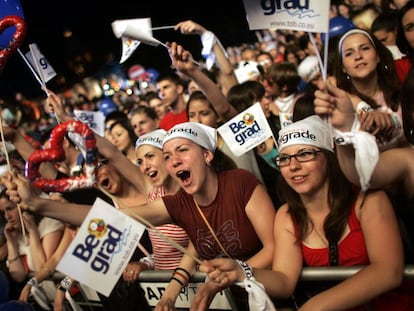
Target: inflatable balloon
9 8
18 36
338 25
56 154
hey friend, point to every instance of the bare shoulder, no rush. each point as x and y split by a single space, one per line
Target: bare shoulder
282 214
372 202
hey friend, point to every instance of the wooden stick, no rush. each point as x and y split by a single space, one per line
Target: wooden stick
149 225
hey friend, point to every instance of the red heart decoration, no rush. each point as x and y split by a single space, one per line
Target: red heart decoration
56 154
18 36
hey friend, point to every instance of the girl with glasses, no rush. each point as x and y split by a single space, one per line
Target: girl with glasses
327 221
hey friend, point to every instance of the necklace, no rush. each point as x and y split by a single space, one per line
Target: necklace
324 241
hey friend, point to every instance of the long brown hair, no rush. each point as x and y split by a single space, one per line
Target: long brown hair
387 76
341 195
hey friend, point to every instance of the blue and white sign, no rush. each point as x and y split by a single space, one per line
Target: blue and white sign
301 15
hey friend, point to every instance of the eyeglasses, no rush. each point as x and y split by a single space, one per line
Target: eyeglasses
303 155
102 162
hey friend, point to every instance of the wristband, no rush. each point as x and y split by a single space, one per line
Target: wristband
248 271
9 261
33 282
208 39
66 283
363 107
148 261
344 138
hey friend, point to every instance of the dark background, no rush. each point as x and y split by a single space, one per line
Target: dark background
94 42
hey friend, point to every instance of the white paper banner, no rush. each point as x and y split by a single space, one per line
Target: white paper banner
246 130
129 45
301 15
101 248
40 63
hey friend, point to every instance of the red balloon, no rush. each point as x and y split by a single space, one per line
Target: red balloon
9 8
56 154
17 39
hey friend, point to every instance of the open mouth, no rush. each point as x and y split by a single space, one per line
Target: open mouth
152 174
105 182
183 175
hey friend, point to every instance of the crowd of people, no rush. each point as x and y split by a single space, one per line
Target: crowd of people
295 200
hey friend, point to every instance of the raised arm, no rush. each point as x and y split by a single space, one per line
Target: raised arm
183 61
227 76
129 170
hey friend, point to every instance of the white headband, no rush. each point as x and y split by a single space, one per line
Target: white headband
310 131
154 138
201 134
351 32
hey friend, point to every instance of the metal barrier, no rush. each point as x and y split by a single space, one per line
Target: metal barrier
308 274
155 282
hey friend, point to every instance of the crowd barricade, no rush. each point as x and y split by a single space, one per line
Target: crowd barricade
155 282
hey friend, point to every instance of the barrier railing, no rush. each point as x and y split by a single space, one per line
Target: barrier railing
155 282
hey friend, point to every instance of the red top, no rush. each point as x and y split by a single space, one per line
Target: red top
171 119
226 216
352 252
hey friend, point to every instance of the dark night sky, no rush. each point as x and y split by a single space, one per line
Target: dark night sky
90 22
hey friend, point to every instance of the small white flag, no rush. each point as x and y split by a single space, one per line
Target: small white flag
246 130
129 45
40 63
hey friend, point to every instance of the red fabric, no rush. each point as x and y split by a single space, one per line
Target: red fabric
171 119
402 66
352 252
226 215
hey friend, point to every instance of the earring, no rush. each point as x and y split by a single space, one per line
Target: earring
385 67
347 76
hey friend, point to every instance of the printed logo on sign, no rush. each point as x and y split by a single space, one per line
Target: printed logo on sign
305 135
88 118
292 7
245 129
104 240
